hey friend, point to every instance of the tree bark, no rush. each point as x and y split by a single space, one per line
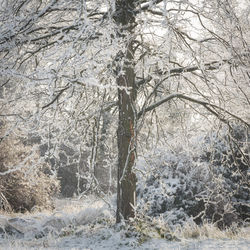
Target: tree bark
126 182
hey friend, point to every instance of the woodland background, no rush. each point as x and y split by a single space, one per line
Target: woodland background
170 79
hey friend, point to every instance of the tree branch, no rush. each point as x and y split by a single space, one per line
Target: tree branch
56 97
209 106
176 71
207 66
147 5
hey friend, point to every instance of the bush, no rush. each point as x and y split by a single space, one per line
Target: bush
24 180
229 157
172 187
212 184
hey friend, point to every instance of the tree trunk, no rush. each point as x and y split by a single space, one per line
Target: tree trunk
126 182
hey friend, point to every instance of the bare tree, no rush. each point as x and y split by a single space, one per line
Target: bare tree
62 57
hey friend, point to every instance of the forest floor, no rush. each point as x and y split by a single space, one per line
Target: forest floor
89 223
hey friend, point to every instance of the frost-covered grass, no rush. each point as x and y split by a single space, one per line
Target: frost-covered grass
210 231
89 223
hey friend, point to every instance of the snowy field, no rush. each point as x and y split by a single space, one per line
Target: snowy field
89 224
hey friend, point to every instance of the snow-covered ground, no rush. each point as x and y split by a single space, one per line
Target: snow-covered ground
89 224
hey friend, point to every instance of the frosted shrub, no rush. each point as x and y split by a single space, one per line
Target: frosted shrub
228 156
211 184
173 187
27 187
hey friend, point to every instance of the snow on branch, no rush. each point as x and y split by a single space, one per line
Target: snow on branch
212 108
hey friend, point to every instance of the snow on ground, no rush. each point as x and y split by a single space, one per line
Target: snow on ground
89 224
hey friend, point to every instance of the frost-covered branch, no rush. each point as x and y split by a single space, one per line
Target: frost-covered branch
209 106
